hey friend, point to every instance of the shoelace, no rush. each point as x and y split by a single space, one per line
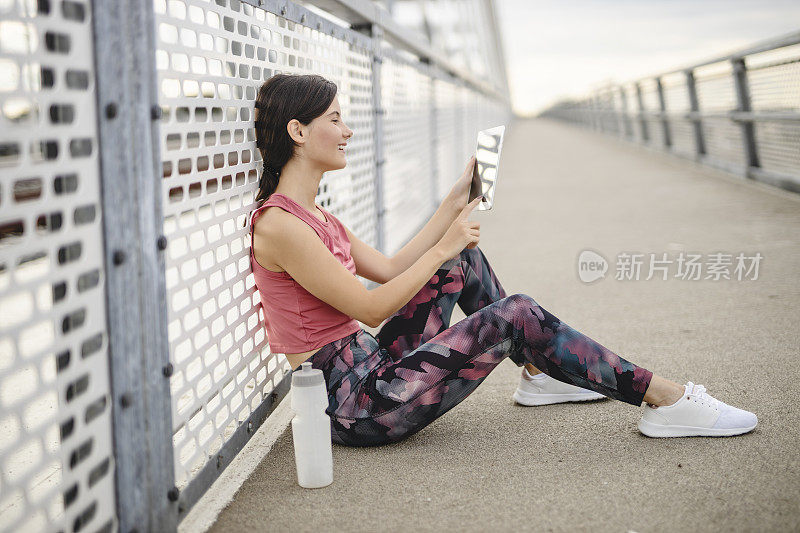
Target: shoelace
699 391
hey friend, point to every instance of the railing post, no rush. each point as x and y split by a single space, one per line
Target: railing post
662 104
609 111
627 115
588 113
626 119
642 117
602 104
124 40
433 116
376 32
619 114
743 104
597 120
694 102
614 117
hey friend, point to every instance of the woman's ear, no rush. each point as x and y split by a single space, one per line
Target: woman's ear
296 131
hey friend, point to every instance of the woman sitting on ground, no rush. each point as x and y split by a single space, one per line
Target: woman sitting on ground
386 387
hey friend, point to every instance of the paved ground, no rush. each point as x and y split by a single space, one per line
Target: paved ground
491 464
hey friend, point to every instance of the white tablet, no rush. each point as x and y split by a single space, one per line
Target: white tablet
487 163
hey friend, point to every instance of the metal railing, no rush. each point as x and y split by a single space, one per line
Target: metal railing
739 112
133 361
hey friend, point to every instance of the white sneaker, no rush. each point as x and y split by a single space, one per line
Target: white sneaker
696 414
542 389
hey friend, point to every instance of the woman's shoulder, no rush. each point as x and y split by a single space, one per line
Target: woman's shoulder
275 219
285 219
269 220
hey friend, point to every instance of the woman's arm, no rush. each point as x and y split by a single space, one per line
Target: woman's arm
398 291
300 252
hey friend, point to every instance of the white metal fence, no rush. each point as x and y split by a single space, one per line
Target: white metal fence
133 360
740 112
56 461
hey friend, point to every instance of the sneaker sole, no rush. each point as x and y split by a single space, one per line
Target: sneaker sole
659 430
529 399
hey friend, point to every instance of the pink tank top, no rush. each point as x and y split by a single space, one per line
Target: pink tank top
296 320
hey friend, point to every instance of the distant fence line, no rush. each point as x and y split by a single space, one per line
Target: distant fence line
133 361
739 112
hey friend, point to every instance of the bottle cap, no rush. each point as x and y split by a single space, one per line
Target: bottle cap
306 376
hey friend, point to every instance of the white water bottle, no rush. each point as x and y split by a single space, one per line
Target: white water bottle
311 428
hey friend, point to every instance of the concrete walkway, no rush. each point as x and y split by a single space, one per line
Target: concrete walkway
489 464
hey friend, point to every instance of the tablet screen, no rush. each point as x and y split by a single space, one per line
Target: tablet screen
487 163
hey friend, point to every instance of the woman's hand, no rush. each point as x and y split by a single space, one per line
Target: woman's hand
459 194
461 233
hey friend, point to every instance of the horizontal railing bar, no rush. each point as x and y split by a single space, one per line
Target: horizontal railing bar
364 11
738 116
300 15
785 181
749 116
782 41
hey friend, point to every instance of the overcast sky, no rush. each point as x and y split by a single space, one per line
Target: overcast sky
556 48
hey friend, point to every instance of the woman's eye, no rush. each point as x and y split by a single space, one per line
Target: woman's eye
335 120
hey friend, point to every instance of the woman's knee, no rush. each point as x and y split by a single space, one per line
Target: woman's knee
472 255
469 255
520 299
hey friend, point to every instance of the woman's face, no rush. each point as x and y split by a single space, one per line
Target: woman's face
326 135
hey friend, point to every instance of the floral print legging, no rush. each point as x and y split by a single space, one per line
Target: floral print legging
383 388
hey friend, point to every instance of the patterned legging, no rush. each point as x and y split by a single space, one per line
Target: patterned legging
383 389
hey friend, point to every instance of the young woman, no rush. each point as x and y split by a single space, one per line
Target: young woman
384 388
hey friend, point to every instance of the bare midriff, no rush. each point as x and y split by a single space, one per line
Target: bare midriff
295 359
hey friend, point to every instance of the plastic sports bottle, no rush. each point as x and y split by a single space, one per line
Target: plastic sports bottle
311 428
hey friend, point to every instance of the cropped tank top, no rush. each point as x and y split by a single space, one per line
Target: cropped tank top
296 320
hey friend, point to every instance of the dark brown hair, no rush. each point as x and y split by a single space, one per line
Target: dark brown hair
280 99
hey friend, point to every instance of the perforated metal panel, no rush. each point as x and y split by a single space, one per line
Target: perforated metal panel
460 114
619 111
630 112
56 463
716 93
676 100
449 116
406 97
608 118
56 459
352 195
774 79
472 116
211 60
652 106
